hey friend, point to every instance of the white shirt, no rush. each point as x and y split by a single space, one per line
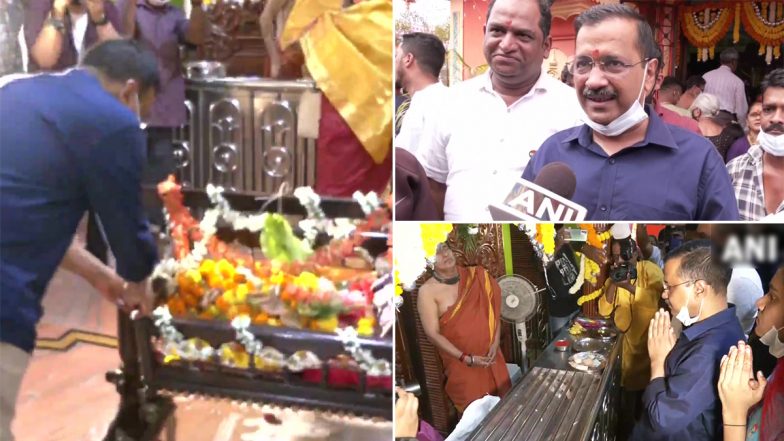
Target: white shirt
729 89
78 30
744 289
478 146
423 106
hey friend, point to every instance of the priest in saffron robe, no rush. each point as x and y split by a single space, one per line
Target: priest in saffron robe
460 313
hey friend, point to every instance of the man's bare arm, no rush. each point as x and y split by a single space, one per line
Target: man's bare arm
438 190
644 242
428 314
82 263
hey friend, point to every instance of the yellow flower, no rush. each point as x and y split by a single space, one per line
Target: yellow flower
548 237
365 326
207 267
307 280
328 324
432 235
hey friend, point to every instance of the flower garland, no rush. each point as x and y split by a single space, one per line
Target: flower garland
769 34
594 239
410 260
589 297
374 367
704 35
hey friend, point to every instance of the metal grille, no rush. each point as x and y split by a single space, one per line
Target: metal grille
551 406
244 137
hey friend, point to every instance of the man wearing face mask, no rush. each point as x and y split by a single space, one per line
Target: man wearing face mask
70 142
758 175
624 147
161 28
681 401
479 142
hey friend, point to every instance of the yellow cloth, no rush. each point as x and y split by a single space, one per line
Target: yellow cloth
635 314
349 55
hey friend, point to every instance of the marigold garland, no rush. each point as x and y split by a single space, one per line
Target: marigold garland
754 15
545 234
589 297
770 36
595 239
704 36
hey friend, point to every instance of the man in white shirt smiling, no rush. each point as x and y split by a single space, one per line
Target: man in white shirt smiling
418 61
478 144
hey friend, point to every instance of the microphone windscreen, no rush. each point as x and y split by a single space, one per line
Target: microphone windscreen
558 178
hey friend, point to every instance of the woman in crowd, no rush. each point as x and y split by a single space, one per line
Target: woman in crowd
752 408
716 125
753 123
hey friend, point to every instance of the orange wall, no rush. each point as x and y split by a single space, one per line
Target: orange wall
474 15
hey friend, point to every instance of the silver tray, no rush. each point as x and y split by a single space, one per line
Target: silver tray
589 344
606 334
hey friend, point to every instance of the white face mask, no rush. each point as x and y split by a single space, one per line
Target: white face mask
683 315
633 116
773 342
771 143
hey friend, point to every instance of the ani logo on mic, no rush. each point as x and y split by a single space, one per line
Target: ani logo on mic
545 199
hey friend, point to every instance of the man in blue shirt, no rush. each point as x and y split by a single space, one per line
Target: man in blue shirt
629 164
69 142
681 401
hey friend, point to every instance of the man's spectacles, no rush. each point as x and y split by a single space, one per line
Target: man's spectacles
612 66
669 288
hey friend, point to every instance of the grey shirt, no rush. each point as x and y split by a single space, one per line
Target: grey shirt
11 18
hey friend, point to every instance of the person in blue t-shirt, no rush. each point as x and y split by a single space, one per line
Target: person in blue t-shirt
70 142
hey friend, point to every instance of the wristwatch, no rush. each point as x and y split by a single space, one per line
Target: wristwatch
56 23
101 21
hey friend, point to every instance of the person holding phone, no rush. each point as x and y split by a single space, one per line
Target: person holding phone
58 32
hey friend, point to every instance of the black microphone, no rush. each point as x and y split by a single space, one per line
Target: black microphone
558 178
547 198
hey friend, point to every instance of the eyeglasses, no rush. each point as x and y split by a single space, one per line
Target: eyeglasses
668 288
612 66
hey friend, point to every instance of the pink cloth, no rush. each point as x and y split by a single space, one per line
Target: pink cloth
428 433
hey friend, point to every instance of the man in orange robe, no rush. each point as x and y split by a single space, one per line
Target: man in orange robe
460 313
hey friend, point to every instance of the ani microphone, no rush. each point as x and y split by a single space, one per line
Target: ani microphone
547 198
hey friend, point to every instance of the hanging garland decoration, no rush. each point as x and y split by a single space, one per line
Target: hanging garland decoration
595 239
765 26
589 297
704 30
581 276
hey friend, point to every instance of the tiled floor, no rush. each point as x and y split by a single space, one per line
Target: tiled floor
64 396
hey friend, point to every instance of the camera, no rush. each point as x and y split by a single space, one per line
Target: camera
624 271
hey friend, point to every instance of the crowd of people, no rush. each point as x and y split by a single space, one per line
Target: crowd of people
642 146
